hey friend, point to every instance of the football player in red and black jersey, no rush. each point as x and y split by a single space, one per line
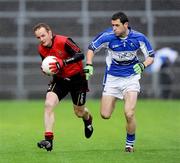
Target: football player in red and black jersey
69 78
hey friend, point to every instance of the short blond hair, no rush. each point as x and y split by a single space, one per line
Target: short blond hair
40 25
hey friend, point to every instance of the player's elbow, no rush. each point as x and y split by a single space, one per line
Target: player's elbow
81 56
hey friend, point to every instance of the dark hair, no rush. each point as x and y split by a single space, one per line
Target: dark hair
121 16
39 25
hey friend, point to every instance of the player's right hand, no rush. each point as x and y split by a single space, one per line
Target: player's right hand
139 68
88 70
55 67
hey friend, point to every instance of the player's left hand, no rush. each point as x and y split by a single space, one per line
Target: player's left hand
55 67
139 68
88 70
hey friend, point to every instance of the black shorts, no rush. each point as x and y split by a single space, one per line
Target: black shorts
76 85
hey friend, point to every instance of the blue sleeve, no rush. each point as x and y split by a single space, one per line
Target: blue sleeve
100 39
148 46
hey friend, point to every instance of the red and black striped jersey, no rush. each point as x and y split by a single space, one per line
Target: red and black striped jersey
63 48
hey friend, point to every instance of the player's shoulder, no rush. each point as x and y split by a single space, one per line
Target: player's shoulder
106 34
136 34
60 38
42 50
108 31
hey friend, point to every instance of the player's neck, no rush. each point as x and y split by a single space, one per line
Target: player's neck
124 36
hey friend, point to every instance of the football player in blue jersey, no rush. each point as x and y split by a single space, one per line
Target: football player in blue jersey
123 69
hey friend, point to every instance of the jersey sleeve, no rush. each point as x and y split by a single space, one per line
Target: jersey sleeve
146 47
71 47
101 40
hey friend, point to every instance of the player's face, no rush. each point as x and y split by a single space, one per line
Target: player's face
44 36
119 29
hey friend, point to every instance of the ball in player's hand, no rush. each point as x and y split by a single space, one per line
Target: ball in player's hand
45 65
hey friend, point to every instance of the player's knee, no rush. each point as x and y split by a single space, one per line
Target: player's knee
105 115
49 106
129 115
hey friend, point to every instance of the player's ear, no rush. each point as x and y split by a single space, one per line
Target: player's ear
126 24
50 33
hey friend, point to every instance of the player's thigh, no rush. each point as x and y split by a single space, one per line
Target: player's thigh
60 87
78 91
79 100
130 99
107 105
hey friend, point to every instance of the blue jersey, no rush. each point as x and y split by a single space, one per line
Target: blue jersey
121 52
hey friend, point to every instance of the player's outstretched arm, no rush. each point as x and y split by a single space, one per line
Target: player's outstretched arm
88 69
77 57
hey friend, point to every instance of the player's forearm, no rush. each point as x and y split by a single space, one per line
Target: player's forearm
148 61
89 57
77 57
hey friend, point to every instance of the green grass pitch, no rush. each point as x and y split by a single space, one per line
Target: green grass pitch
157 137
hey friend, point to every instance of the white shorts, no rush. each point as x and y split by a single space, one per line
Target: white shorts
117 86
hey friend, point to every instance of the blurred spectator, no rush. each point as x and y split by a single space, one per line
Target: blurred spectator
164 58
